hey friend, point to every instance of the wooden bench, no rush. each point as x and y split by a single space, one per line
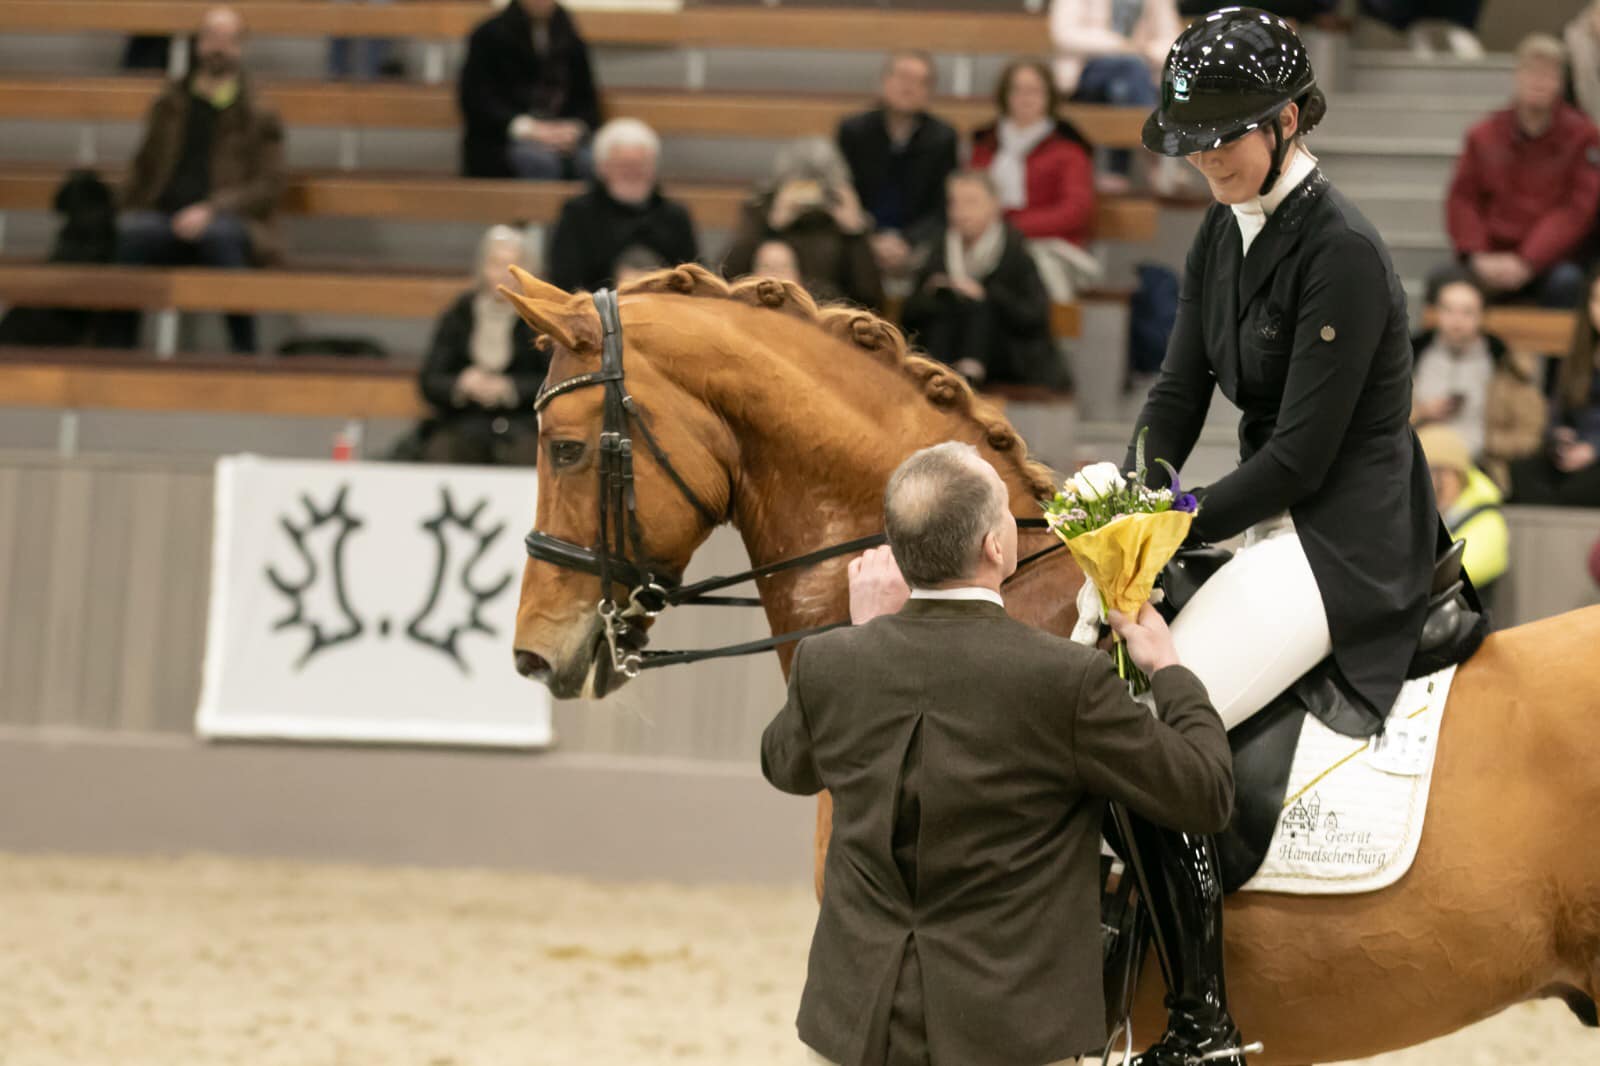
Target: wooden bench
671 112
832 29
439 199
1538 330
200 289
305 386
169 291
75 381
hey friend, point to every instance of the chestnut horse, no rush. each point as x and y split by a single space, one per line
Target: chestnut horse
787 421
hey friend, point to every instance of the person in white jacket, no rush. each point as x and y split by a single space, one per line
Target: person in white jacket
1110 51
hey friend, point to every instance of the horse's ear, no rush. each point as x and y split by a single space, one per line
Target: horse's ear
538 288
551 311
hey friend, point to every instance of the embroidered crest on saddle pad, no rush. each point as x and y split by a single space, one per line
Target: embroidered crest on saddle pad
1352 816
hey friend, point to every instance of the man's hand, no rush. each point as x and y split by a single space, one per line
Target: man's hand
1574 456
847 212
1501 271
1517 274
566 135
876 586
968 287
481 387
1439 409
191 223
891 251
1148 639
787 205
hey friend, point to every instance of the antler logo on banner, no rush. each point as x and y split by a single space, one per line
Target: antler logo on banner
453 601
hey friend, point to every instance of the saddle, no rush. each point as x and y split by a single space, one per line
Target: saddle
1264 746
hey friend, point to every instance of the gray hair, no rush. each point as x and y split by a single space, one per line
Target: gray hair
936 510
529 256
811 158
624 133
1543 47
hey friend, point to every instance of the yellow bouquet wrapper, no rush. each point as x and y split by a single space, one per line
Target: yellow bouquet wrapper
1126 555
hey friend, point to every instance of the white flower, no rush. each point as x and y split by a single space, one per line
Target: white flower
1099 480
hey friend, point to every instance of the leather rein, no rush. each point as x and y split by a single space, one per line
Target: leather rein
618 556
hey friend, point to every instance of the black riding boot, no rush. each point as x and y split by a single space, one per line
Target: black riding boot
1186 903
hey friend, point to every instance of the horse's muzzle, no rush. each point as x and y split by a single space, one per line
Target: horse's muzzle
533 666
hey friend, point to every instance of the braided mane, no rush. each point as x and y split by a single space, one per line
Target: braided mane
881 340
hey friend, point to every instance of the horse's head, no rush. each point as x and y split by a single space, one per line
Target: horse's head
654 524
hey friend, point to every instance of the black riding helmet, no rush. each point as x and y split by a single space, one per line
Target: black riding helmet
1229 73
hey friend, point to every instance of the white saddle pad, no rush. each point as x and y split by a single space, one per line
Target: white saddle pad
1352 817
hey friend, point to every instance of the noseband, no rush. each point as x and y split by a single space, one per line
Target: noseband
618 556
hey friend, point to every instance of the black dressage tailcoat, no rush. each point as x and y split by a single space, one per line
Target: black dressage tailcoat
1308 336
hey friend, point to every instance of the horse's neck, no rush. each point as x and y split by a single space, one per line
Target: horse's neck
817 440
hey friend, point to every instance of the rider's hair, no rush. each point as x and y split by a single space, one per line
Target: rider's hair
936 511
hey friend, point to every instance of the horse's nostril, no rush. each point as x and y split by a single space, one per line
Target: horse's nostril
531 665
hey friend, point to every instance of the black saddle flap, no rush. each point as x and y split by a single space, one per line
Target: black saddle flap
1263 753
1182 577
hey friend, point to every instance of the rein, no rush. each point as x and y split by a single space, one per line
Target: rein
651 590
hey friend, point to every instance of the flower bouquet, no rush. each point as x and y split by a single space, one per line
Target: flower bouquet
1122 534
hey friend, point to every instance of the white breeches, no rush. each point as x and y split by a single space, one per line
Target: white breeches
1255 627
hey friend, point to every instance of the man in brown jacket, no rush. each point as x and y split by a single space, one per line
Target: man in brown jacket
970 758
206 181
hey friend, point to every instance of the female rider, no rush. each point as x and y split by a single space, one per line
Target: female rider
1291 307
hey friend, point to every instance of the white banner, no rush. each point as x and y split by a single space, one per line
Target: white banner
368 601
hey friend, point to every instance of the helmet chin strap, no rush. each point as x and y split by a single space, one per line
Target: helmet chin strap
1278 152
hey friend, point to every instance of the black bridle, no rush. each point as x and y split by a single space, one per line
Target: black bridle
618 556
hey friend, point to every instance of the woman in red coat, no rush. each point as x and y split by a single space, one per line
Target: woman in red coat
1040 164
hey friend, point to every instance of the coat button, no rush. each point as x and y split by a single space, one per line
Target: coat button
1328 334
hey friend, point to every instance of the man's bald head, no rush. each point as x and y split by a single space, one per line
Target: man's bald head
219 46
938 507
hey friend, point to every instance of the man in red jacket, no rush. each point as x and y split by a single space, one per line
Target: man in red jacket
1523 201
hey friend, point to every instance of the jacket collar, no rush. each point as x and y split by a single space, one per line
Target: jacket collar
183 89
1279 237
974 609
598 189
881 116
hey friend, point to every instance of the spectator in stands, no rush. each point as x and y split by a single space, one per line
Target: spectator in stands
1454 363
363 58
776 259
1582 38
1044 175
1111 52
637 262
1565 473
899 157
1458 19
811 205
1470 381
979 304
207 177
1523 201
483 369
1470 504
528 95
623 208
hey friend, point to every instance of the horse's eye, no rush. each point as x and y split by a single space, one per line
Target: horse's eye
566 453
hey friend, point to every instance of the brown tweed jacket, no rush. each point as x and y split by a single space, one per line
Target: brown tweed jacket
247 176
1019 739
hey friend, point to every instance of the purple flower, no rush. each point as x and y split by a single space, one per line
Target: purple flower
1185 502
